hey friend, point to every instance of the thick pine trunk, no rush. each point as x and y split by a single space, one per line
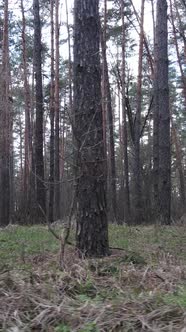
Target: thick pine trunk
92 228
4 159
39 162
162 116
5 126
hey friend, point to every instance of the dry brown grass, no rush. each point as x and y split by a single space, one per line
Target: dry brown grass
111 294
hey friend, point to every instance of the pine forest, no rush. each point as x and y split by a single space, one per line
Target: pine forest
92 165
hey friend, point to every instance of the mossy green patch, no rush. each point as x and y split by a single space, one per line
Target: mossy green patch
178 298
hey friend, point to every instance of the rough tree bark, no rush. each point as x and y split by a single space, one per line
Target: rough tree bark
92 228
162 153
5 126
39 162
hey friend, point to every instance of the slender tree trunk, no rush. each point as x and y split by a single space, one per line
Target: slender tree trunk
21 152
109 111
146 44
57 152
52 110
179 161
156 134
92 228
63 143
39 161
124 122
183 76
28 138
11 155
69 59
138 200
181 27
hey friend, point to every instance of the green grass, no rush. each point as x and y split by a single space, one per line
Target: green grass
143 243
18 243
132 275
177 298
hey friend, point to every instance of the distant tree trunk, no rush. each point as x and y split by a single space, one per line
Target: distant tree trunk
156 132
138 200
109 112
183 76
124 124
39 162
11 169
52 110
153 19
179 162
57 152
28 138
69 59
92 228
162 115
21 152
181 27
5 126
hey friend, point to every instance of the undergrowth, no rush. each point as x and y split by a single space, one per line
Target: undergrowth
139 288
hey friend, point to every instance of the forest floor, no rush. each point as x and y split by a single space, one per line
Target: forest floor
139 288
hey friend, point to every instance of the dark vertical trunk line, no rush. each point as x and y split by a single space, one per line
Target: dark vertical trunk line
5 126
39 161
127 209
69 59
162 114
57 106
138 200
109 111
52 110
28 138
